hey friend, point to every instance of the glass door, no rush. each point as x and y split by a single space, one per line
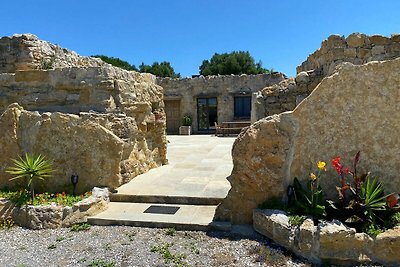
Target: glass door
207 113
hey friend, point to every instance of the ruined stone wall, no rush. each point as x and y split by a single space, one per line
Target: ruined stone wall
224 88
354 109
357 49
26 52
103 123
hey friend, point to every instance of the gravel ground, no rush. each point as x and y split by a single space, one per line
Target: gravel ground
134 246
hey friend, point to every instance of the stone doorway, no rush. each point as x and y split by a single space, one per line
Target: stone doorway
207 113
173 113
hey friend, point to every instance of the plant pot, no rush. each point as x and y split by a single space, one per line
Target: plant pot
185 130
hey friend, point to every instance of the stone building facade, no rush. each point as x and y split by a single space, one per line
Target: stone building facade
105 124
212 98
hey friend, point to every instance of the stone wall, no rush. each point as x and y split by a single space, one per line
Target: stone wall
330 242
26 52
224 88
103 123
354 109
357 49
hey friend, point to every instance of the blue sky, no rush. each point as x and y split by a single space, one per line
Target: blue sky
279 33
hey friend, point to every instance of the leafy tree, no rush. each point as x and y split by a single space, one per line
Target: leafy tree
117 62
236 62
163 69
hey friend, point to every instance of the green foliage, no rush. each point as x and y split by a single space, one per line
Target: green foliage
308 200
395 219
47 63
372 229
23 197
52 246
170 231
296 220
163 69
101 263
273 203
7 223
131 236
373 198
117 62
168 256
80 227
60 238
32 168
187 120
361 203
236 62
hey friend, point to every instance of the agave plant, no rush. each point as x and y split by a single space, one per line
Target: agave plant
31 168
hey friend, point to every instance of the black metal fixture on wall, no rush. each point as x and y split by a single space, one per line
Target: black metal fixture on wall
74 181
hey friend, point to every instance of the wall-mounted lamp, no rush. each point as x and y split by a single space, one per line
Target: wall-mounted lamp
74 181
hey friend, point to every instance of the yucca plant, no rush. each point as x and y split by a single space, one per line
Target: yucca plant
31 168
373 198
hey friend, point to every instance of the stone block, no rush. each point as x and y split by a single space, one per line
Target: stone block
395 38
350 52
363 53
378 50
357 40
386 246
302 77
379 40
32 76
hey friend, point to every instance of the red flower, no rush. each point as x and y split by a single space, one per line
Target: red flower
346 171
336 164
391 201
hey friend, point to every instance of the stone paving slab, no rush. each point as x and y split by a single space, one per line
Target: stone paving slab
195 181
188 217
199 166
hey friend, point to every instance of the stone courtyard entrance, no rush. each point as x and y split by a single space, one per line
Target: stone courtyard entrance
183 194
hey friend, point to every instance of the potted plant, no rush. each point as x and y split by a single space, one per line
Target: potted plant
185 129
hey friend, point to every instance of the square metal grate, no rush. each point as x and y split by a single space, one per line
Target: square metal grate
162 209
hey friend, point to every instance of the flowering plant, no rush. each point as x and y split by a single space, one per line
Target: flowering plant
364 200
309 200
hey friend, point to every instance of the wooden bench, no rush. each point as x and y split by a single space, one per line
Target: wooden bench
228 128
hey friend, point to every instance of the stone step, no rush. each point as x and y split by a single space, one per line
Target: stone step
181 217
167 199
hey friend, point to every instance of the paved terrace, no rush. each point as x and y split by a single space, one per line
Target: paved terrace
195 181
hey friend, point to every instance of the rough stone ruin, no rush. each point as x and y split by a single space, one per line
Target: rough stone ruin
357 49
102 123
354 108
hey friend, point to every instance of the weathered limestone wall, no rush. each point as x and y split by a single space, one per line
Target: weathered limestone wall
224 88
328 242
26 52
354 109
357 49
103 123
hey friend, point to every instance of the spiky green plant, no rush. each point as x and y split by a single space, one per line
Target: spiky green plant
31 168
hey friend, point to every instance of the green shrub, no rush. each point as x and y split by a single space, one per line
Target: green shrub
80 227
31 168
187 120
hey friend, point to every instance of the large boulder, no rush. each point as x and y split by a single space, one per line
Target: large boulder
354 109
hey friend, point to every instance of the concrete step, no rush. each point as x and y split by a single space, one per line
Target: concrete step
167 199
181 217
